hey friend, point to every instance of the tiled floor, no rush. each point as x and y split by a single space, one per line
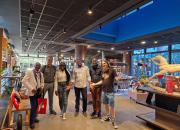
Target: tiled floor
126 117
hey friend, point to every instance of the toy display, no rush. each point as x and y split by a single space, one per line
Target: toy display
164 66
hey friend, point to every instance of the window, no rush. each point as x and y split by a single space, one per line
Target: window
175 59
176 47
157 49
138 51
135 69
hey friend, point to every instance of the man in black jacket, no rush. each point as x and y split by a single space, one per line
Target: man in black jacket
96 76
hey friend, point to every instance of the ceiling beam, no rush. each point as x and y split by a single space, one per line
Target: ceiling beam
72 45
68 49
104 34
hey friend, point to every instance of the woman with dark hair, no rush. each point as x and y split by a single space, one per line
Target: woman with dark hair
62 79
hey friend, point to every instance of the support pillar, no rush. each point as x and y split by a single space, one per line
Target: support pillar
80 52
127 60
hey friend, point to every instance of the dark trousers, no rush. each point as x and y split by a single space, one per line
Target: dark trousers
96 99
82 91
34 105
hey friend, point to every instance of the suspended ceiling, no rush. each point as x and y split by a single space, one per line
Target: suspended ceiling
51 17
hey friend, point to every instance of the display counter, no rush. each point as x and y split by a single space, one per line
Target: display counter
167 113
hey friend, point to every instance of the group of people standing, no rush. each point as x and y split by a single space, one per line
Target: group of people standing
100 80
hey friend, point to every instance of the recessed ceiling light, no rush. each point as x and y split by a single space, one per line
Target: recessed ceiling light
112 48
155 42
88 46
143 42
62 55
64 30
89 12
128 47
98 51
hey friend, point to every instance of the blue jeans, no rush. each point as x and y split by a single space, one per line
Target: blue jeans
108 98
63 98
34 105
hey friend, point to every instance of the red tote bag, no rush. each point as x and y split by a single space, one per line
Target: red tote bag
42 104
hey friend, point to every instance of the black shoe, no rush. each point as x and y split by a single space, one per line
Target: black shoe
53 112
106 118
99 115
32 126
95 116
36 121
92 114
85 114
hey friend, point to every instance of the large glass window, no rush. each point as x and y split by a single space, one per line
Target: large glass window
149 69
176 47
138 51
136 69
157 49
175 59
28 62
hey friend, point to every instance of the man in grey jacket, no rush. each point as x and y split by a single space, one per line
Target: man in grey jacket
49 71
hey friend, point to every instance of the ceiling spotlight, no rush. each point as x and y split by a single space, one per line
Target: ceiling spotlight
26 39
98 51
28 29
89 12
88 46
62 55
31 11
155 42
64 30
128 47
100 26
143 42
112 48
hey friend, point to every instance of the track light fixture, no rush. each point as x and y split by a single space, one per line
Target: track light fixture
31 11
89 12
64 30
100 26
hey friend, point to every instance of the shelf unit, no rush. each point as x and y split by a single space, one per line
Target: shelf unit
165 106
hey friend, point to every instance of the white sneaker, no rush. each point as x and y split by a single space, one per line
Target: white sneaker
64 116
114 123
61 114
